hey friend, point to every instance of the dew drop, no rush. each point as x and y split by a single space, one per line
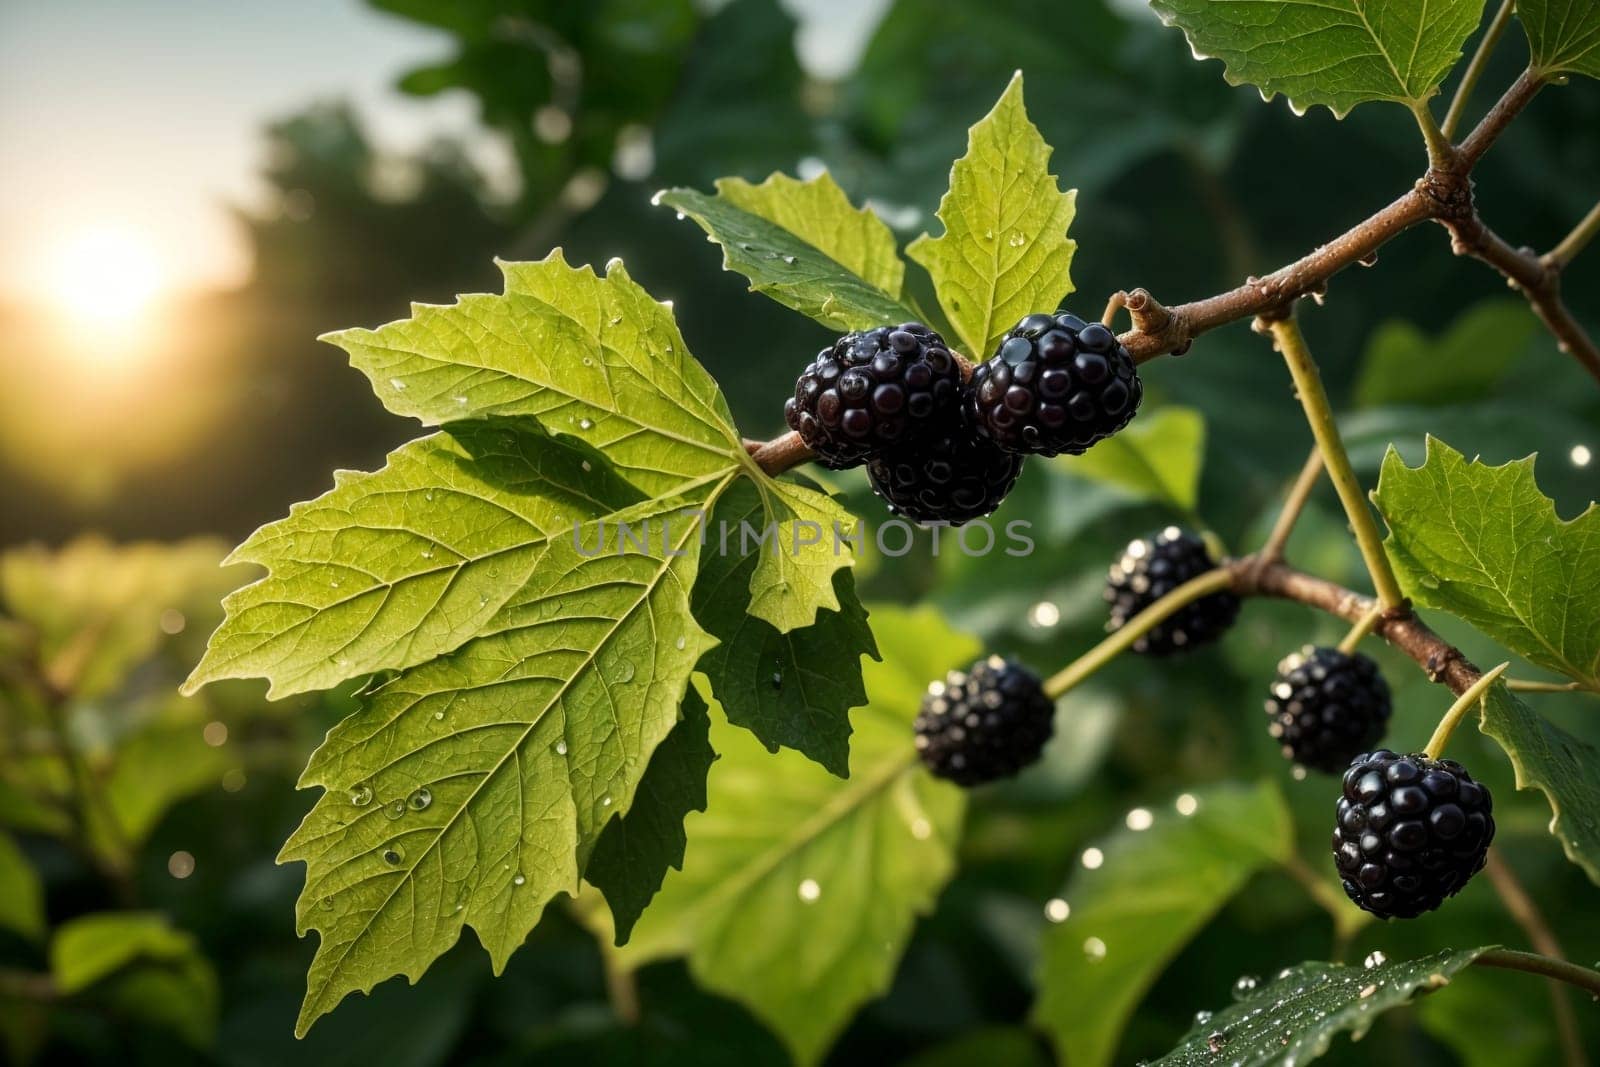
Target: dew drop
438 716
623 672
361 795
777 679
561 748
420 799
988 235
520 879
616 320
393 856
427 553
1202 1017
921 829
1017 240
398 384
326 904
1244 986
587 466
1374 959
810 890
605 801
585 424
395 809
680 642
1057 910
1094 949
789 260
461 400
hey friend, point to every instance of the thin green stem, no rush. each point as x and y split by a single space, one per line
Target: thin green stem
1441 153
1212 581
1533 963
1474 71
1458 711
1308 383
1361 629
1293 505
1526 685
1574 242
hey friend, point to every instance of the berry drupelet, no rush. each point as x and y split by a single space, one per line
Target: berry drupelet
1327 706
985 723
1410 832
1148 570
1056 384
873 389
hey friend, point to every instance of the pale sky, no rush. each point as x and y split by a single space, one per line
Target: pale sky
144 118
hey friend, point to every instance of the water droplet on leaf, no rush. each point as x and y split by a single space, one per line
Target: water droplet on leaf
361 795
419 799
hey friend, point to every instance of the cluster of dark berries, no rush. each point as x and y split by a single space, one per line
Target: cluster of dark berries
940 450
984 723
1327 707
1148 570
1411 831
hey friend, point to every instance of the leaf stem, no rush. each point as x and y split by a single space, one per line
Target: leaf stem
1525 913
1527 685
1441 153
1464 703
1574 242
1293 504
1362 629
1308 383
621 988
1212 581
1474 71
1533 963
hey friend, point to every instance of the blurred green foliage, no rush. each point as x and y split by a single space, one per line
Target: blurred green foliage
1185 185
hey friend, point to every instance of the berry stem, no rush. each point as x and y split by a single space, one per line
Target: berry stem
1474 71
1574 242
1308 383
1533 963
1212 581
1361 629
1293 504
1464 703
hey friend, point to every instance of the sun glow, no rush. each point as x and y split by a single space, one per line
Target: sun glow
105 276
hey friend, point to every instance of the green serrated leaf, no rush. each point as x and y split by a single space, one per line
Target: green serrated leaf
635 851
1156 888
805 542
594 358
471 790
799 890
1293 1018
1337 53
1563 35
1484 544
805 246
1562 766
1403 365
389 569
1005 252
21 895
792 690
1157 457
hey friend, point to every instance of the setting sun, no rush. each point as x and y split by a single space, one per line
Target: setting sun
105 275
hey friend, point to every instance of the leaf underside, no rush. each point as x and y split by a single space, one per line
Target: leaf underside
1563 35
1336 53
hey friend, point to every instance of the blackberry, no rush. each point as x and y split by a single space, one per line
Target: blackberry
1327 706
951 477
985 723
1411 832
1151 568
873 389
1055 385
